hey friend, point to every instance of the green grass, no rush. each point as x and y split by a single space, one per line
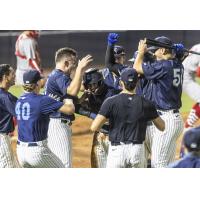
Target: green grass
186 101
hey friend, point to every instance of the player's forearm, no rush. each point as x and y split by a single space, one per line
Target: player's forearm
159 123
67 109
109 58
138 63
33 63
75 85
98 123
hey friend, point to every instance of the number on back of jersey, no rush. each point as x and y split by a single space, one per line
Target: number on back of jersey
22 111
178 77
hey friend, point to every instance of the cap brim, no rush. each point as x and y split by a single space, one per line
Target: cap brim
153 48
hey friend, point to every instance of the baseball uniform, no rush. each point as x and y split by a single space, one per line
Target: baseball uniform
191 63
59 133
92 103
164 90
127 128
32 113
7 111
27 53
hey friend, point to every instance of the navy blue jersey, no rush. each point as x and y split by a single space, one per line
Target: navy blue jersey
56 87
96 100
7 111
189 161
166 78
128 115
32 113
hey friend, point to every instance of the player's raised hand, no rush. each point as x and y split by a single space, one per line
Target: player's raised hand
112 38
142 47
84 63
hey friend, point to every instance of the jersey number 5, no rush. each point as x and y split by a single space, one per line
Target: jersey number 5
22 111
178 77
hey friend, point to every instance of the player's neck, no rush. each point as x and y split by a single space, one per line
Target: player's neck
128 92
4 86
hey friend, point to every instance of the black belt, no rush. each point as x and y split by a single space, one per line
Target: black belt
66 121
173 111
126 142
31 144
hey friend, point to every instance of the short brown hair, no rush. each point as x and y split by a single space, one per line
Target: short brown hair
63 53
4 70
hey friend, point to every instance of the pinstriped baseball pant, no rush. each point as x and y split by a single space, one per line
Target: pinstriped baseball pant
37 156
7 159
59 141
162 145
99 151
126 156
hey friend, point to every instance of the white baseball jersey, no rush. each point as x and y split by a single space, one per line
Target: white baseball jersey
191 63
26 51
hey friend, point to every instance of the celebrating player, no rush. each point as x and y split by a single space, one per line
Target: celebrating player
61 87
96 91
7 112
32 111
127 114
165 75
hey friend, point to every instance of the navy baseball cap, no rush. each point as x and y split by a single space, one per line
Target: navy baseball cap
162 39
31 77
192 139
129 75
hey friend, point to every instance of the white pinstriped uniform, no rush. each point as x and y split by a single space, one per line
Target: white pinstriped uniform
59 141
126 155
191 63
43 157
162 145
7 158
99 152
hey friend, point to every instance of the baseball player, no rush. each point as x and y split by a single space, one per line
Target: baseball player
61 87
96 91
192 143
165 89
114 62
7 112
32 111
27 53
190 86
127 114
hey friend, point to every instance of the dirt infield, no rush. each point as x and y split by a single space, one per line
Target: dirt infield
82 142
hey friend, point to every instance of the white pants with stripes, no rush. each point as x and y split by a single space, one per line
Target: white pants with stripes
162 145
126 156
99 151
37 156
59 141
7 158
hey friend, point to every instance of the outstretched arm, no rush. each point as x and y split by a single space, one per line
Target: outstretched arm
98 123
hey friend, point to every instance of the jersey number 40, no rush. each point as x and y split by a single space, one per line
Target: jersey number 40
22 111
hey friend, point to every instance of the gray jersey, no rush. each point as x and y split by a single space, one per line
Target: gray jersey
26 47
191 63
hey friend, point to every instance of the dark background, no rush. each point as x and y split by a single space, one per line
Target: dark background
89 42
